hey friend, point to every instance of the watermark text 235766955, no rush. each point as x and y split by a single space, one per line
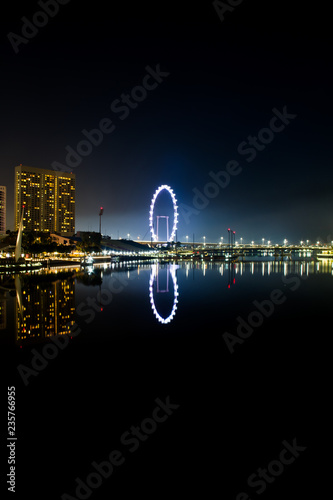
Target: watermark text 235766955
11 444
30 28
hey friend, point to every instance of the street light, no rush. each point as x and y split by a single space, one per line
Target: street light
204 238
241 241
263 241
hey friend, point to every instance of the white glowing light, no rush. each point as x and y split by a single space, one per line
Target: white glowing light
153 276
175 212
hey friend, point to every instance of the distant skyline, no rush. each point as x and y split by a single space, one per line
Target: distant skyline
175 96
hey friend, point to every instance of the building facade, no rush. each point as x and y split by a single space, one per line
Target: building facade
2 209
48 197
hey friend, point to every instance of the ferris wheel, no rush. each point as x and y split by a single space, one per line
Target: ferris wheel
175 214
154 276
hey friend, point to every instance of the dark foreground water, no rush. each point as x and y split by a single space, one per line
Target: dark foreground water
188 378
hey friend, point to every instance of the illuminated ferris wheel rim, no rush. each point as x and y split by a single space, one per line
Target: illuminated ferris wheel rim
154 272
175 212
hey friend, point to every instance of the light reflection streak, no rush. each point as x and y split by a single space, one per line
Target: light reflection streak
154 277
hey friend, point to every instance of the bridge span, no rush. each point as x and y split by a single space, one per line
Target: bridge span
245 250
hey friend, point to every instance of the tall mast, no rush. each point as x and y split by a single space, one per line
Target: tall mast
19 238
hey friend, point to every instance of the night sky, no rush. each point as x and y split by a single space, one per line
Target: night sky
219 84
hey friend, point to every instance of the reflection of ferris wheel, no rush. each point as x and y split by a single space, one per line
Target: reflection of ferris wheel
175 214
153 277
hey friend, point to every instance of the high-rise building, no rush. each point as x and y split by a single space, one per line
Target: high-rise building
2 209
48 197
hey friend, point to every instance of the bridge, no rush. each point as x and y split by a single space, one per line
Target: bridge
244 250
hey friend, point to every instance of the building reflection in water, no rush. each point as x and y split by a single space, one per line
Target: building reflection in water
3 312
43 309
155 288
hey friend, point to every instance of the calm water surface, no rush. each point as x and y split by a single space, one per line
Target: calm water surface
148 331
157 299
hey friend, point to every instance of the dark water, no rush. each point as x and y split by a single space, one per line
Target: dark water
173 333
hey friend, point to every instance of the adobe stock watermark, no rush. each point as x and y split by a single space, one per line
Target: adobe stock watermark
262 477
122 107
87 309
249 148
262 310
223 7
131 440
30 28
